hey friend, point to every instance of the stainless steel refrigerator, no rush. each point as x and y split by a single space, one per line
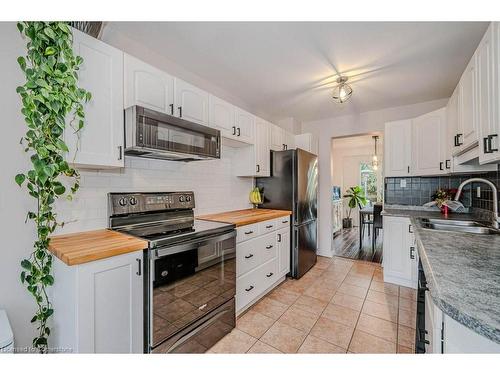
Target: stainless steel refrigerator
293 186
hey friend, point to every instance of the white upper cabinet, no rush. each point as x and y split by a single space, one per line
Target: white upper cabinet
277 138
397 148
487 95
289 140
452 129
221 116
190 102
147 86
468 136
262 148
307 142
245 126
428 139
100 143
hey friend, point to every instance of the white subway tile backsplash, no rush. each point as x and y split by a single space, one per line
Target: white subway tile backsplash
216 189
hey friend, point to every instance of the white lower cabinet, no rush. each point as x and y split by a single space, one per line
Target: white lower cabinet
262 259
400 259
98 306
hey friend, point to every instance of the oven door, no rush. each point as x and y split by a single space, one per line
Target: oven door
188 283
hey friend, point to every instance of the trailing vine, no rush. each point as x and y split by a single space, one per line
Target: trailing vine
49 96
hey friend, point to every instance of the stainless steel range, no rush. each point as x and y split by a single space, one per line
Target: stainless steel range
190 270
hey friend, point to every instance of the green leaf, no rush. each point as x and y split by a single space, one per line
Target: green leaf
50 51
20 179
22 62
26 264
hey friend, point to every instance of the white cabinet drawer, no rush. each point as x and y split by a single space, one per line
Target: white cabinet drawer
267 226
246 232
268 273
248 256
248 288
283 222
268 247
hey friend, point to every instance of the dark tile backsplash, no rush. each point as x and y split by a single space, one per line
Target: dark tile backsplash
419 190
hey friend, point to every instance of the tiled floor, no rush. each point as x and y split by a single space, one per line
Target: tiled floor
339 306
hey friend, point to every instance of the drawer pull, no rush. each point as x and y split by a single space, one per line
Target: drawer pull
269 274
248 256
285 222
269 226
269 247
249 232
249 289
279 237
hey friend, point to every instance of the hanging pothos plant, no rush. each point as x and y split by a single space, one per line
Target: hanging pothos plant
49 96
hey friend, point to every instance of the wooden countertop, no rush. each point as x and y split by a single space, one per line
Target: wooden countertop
83 247
245 217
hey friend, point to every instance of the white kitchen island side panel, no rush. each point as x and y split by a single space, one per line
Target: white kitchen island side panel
215 188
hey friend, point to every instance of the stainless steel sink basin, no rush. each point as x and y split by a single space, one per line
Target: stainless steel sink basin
464 226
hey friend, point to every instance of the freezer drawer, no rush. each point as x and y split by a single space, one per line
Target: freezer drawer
304 249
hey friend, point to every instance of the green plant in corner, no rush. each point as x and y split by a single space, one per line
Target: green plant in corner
356 197
49 95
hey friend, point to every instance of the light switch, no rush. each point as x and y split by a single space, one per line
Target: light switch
402 183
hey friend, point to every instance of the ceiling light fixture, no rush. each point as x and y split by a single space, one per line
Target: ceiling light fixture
342 92
375 157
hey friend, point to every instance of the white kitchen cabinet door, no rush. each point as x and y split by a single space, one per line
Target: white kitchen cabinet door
289 140
397 148
307 142
190 102
400 259
283 241
452 130
100 143
277 138
147 86
486 80
467 107
245 126
428 139
262 148
221 116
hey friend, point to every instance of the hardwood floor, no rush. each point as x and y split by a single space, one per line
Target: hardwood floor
346 244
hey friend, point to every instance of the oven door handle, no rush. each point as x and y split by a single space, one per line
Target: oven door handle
180 247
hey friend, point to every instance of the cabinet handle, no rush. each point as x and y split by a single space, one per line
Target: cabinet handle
408 169
249 289
458 139
284 146
234 130
120 152
248 256
448 164
171 109
180 111
239 132
279 237
412 252
249 232
441 166
485 146
269 274
139 267
269 247
258 168
455 141
285 222
269 226
410 228
490 138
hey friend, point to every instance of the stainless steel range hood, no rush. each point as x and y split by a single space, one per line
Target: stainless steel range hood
156 135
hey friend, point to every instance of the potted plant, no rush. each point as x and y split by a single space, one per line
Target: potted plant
441 198
357 198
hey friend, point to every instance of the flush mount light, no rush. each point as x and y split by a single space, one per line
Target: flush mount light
342 92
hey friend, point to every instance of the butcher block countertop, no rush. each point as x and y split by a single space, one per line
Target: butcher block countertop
245 217
83 247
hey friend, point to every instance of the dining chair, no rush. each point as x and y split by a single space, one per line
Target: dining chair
377 223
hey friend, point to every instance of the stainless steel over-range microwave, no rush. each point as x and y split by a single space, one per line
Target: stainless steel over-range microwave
152 134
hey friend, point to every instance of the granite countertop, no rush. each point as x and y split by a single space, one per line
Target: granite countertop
462 271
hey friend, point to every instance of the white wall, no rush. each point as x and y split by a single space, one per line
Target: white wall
214 186
363 123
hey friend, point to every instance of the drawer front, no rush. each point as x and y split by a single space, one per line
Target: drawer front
268 226
268 247
283 222
247 232
248 288
268 273
248 255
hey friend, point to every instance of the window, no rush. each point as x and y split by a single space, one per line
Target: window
368 181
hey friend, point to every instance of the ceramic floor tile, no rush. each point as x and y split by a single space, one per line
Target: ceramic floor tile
378 327
235 342
310 304
320 291
323 262
352 290
406 336
341 314
382 311
262 348
346 300
269 307
284 338
298 286
407 304
299 319
407 318
357 281
378 276
333 332
363 342
284 296
254 323
382 298
362 274
405 350
315 345
408 293
386 288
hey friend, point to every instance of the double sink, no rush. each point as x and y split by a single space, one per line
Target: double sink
463 226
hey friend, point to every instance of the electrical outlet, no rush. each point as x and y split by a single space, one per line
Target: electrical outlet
402 183
478 192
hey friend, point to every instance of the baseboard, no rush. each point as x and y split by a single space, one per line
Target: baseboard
388 278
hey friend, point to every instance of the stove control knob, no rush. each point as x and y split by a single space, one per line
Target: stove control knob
181 198
188 198
123 201
133 201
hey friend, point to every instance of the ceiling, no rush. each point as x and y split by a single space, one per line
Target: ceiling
287 69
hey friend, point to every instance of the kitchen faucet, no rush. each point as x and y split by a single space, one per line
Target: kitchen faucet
495 195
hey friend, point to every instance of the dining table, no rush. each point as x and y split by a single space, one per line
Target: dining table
364 212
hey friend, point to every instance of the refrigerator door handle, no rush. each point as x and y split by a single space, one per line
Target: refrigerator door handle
296 235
